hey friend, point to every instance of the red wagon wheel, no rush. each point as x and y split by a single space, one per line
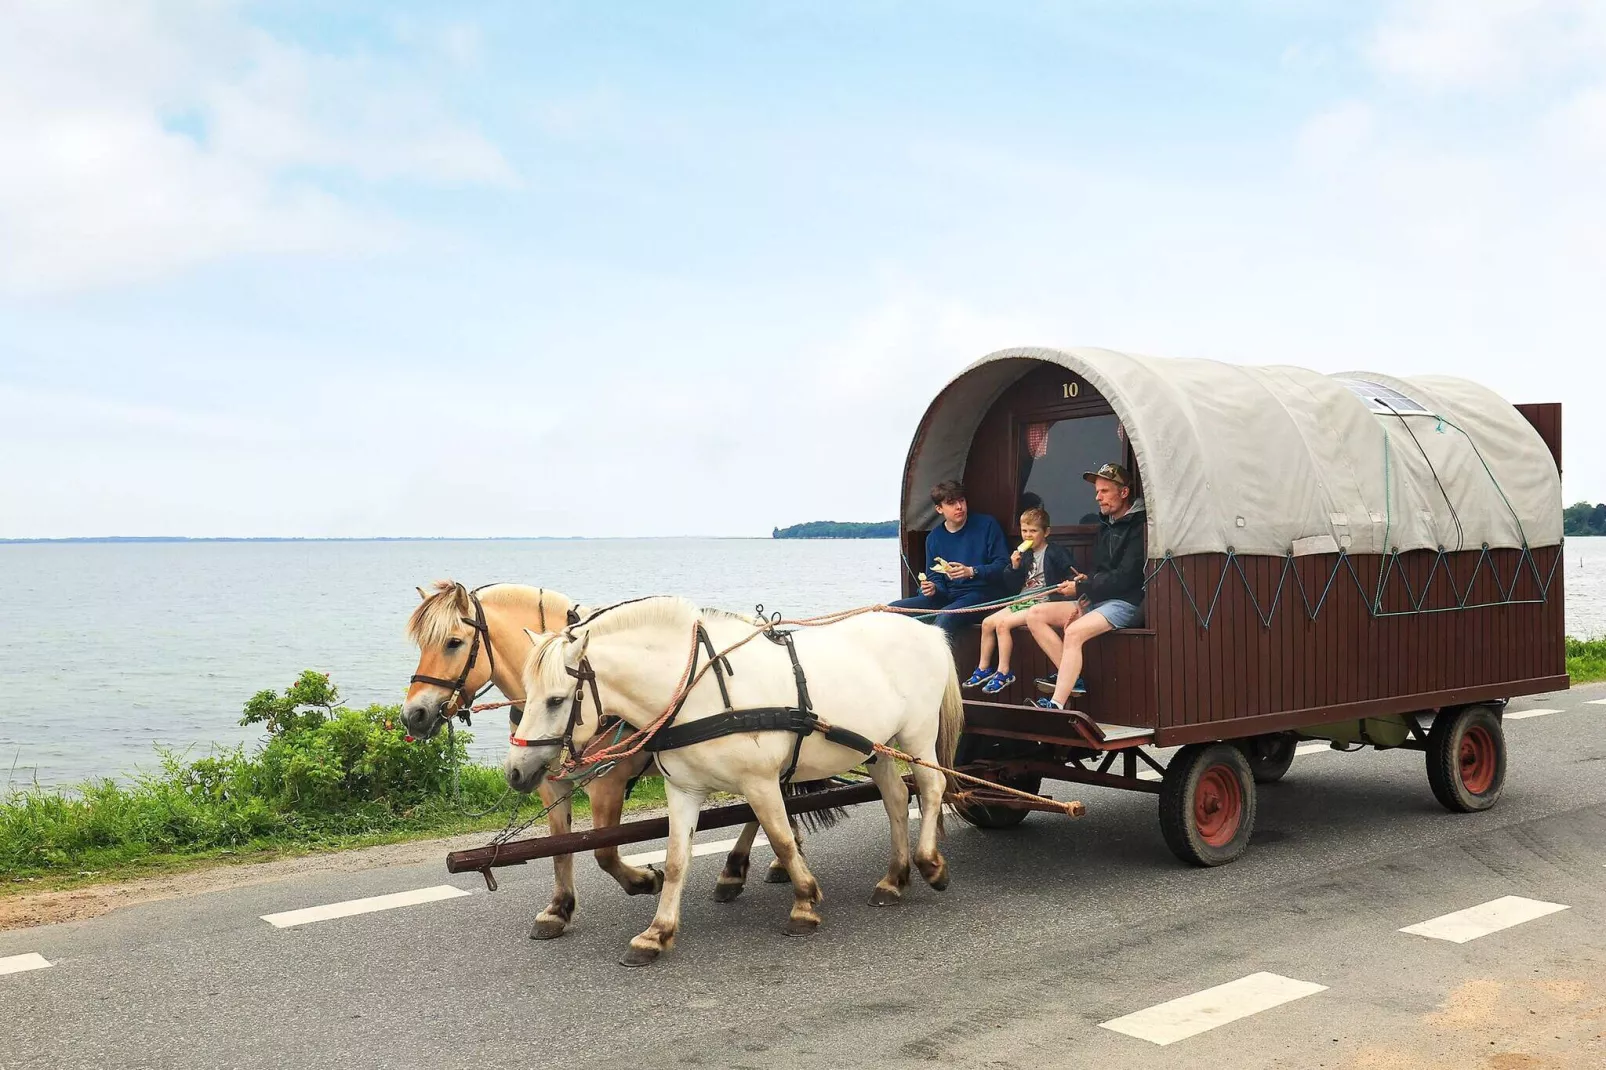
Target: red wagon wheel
1207 803
1466 758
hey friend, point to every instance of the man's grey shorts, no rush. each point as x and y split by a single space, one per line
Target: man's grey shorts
1120 614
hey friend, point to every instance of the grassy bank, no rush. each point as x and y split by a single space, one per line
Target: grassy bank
1586 660
326 777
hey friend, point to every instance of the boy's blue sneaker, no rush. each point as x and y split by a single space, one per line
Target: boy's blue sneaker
1046 684
979 677
1047 704
1080 687
997 682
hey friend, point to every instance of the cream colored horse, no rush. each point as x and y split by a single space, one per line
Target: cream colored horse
445 638
884 676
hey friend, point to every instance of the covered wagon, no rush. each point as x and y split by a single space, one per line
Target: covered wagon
1357 558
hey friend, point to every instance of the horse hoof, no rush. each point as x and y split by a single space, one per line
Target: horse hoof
777 875
548 929
639 956
726 892
801 926
885 897
649 885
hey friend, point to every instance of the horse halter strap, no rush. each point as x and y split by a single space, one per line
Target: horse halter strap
455 700
583 675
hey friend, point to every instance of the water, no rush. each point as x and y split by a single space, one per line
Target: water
109 648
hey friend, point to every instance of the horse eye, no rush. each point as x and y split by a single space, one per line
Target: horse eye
555 702
453 644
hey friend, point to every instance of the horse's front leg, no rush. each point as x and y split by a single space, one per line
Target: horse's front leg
607 795
551 922
895 796
660 935
769 806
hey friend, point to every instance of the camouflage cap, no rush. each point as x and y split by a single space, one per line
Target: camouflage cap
1113 472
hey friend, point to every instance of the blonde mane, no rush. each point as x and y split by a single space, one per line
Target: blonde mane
435 618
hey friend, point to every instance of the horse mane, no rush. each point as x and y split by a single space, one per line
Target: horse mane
434 619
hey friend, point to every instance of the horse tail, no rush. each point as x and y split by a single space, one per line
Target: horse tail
950 726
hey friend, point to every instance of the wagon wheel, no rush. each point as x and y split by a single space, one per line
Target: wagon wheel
973 748
1269 755
1207 803
1467 758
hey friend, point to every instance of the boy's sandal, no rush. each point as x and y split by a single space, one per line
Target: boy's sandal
997 683
979 677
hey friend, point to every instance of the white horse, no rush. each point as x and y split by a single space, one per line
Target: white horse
886 677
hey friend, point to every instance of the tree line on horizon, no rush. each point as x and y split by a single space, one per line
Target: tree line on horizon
834 529
1582 518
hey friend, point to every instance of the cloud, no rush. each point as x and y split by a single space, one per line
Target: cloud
1457 44
141 139
1336 134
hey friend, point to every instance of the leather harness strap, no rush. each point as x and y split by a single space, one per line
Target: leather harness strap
455 703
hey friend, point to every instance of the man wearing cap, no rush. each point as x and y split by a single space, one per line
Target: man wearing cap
1107 599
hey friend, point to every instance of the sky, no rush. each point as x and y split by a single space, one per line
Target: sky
566 268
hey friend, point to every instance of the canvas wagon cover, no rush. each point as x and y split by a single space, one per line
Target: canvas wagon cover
1268 460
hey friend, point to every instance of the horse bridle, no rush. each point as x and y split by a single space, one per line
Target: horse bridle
455 703
583 675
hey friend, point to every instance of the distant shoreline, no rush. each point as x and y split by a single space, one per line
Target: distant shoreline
143 539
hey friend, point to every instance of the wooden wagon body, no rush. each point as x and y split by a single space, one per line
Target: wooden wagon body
1353 643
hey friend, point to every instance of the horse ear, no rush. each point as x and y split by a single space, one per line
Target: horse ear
422 597
575 650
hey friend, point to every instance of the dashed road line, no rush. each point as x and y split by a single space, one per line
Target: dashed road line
647 858
1596 702
23 963
307 915
1483 919
1179 1019
1519 715
650 858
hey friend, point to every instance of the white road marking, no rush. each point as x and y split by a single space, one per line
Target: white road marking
647 858
1481 920
23 963
1312 748
307 915
1597 702
1179 1019
1519 715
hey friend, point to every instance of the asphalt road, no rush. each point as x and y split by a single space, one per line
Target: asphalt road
1048 931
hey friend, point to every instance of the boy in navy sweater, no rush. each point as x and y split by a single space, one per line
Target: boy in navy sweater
966 561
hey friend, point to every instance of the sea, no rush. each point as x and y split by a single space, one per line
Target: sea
111 650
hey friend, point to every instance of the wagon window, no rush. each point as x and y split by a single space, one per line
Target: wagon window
1053 455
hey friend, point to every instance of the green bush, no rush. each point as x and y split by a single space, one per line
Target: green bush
324 774
1586 660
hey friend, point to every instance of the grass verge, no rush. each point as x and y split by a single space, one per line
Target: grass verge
1586 660
325 778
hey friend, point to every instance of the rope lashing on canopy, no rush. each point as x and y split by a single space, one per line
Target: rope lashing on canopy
1374 599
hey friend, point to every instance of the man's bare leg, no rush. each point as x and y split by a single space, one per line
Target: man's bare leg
1070 666
1044 621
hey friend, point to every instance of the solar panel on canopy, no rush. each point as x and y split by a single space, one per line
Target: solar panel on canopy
1384 400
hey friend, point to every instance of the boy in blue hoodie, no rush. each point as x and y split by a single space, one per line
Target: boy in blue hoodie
966 561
